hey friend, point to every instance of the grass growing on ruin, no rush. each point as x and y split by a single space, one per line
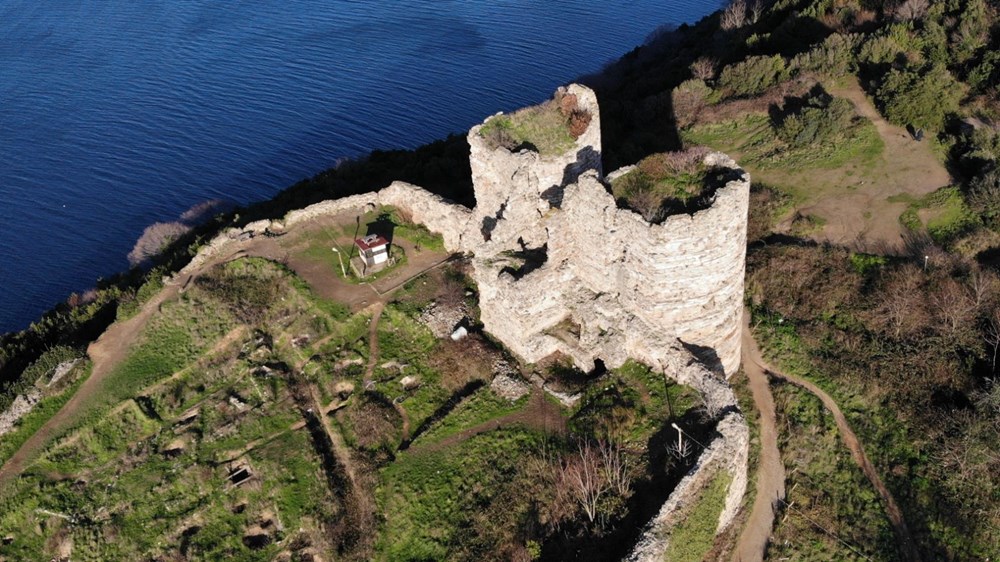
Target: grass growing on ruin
663 183
542 128
461 498
630 404
692 538
41 413
477 409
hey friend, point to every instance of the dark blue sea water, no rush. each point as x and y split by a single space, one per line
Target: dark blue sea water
115 114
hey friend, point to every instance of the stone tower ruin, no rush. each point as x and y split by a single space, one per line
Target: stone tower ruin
561 267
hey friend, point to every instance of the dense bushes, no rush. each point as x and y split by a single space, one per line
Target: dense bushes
688 100
984 197
920 98
910 348
834 56
821 118
753 75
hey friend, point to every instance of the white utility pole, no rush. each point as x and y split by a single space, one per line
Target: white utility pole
341 260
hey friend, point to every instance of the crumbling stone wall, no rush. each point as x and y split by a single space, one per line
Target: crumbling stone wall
561 268
604 267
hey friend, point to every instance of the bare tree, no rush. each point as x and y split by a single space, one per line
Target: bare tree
912 10
617 469
703 68
584 472
756 10
734 16
992 335
982 285
901 308
953 306
680 450
155 239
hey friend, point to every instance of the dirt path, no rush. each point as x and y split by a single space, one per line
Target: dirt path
538 414
373 354
376 310
859 211
770 471
907 547
105 353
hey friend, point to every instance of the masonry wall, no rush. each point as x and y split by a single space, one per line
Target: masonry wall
611 287
683 277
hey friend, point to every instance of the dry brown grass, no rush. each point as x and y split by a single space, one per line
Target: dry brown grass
463 361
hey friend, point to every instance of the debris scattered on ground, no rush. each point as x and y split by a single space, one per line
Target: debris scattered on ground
511 388
441 319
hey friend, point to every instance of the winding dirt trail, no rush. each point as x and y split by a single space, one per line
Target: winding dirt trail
538 414
907 547
105 353
373 354
770 470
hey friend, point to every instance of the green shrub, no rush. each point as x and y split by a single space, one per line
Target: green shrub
986 73
752 76
688 100
833 56
888 44
819 121
131 302
972 31
920 98
867 263
984 197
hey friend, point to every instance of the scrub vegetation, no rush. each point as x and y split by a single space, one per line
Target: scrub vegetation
549 128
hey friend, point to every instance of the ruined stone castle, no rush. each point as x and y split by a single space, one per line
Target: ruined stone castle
561 268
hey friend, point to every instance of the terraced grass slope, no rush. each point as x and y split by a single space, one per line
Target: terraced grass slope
254 420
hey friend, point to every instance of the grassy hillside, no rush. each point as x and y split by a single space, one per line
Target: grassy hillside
254 419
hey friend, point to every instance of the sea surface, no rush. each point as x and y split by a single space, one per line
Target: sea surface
115 114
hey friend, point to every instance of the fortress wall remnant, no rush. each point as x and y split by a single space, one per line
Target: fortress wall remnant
514 188
439 215
603 264
561 268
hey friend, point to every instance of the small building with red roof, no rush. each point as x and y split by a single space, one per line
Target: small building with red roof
373 251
